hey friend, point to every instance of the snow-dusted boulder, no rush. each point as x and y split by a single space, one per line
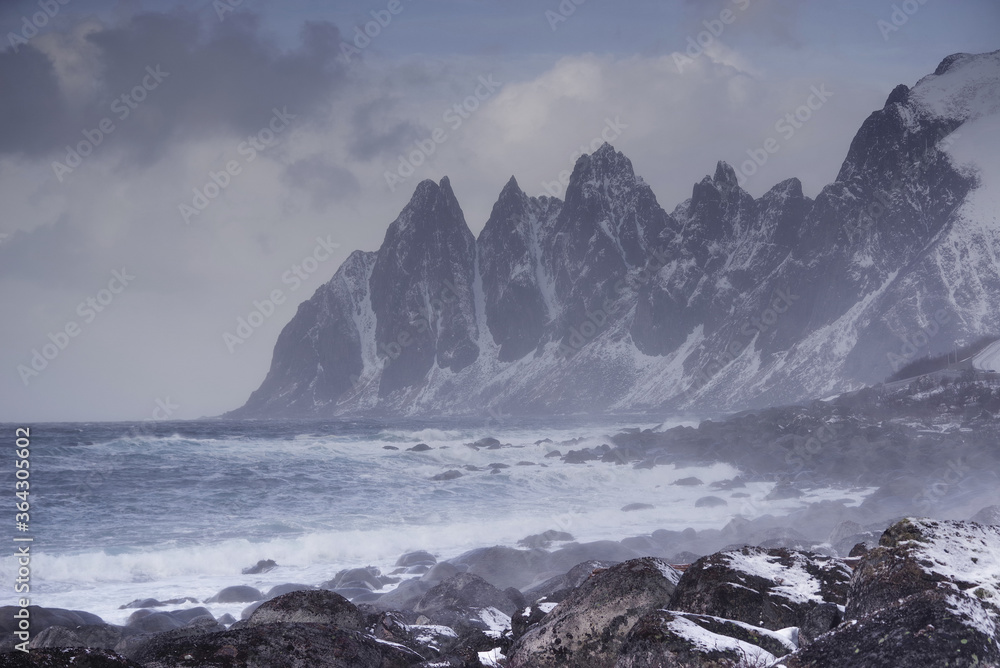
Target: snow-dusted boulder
773 589
668 639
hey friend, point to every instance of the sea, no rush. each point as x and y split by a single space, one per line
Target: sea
165 510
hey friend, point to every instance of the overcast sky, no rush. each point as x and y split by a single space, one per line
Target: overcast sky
119 282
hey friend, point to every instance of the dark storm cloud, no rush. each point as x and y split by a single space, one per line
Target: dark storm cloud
219 77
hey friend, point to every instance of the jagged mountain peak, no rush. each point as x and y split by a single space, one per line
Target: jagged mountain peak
788 188
606 302
604 165
725 175
899 95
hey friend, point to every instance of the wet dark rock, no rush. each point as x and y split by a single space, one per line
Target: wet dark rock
75 657
924 629
418 558
278 590
459 601
556 588
544 539
309 607
447 475
644 545
688 482
147 621
100 636
819 620
403 597
503 566
568 556
275 646
726 485
859 550
389 447
526 463
262 566
369 578
488 443
142 603
679 640
496 466
249 610
441 571
236 594
710 502
554 453
783 491
420 447
42 618
773 588
580 456
636 506
589 626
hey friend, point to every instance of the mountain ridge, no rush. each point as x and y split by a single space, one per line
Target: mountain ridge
604 301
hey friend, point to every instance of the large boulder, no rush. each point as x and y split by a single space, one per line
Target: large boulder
304 607
236 594
588 628
148 621
503 566
773 589
99 636
930 628
917 555
558 587
73 657
275 646
42 618
668 639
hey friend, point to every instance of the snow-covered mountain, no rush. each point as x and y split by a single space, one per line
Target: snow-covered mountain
605 301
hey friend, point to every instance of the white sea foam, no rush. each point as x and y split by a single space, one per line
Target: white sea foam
317 503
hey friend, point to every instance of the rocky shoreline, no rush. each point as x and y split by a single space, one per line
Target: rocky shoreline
926 594
831 584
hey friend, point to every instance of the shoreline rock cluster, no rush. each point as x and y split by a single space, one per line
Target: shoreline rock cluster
925 594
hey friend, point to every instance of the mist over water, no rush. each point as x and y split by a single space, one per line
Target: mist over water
179 509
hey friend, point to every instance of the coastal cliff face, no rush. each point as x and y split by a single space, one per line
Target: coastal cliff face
607 302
